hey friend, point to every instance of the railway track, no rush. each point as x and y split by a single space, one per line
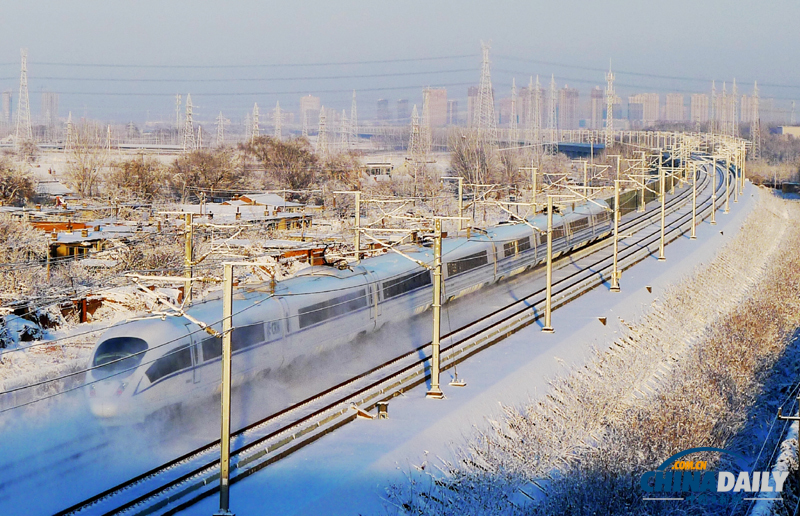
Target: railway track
183 481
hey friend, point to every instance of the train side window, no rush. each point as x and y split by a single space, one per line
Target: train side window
405 283
602 217
467 263
212 348
558 231
245 336
523 244
579 224
341 305
508 249
169 363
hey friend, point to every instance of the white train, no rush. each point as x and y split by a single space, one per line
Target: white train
145 366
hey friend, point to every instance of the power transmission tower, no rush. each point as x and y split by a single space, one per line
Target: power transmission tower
755 127
248 127
485 121
415 145
220 130
344 134
178 117
255 132
550 147
322 136
188 126
70 144
791 116
305 123
723 122
277 115
108 139
529 114
24 131
714 110
734 113
536 115
513 129
609 109
425 126
353 122
199 139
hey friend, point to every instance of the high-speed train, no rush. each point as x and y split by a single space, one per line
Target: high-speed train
144 366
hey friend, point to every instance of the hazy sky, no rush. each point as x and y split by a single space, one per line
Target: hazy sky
694 40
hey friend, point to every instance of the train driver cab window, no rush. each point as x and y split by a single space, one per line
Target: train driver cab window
170 363
119 355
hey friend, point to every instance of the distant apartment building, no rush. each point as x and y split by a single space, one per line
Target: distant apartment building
698 108
635 113
309 110
472 102
504 111
674 111
596 107
616 108
49 108
383 113
437 106
568 115
651 107
6 108
748 112
403 113
452 112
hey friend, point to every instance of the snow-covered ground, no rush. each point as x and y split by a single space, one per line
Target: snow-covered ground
347 472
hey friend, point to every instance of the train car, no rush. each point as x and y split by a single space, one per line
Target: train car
155 364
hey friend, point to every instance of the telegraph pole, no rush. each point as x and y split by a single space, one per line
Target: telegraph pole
727 183
548 326
694 201
663 192
435 392
358 227
714 191
187 271
225 435
460 200
615 273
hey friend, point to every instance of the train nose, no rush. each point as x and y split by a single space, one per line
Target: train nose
104 408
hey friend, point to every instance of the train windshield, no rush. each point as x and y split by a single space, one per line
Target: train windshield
119 356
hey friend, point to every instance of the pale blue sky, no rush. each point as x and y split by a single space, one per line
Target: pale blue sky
688 39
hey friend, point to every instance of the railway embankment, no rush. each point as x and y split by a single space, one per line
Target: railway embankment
707 364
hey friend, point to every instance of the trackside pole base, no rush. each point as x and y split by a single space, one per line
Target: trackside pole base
434 394
662 259
548 329
224 513
614 289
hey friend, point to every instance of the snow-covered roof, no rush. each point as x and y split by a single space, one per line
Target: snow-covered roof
269 199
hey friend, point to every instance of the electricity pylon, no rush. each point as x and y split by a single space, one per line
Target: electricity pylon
24 131
485 121
277 115
425 125
344 134
220 130
353 122
322 137
513 128
755 127
609 109
188 126
255 132
550 147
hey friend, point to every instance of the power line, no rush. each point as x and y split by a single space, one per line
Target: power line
269 65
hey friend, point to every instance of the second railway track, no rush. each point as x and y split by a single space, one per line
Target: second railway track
195 475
